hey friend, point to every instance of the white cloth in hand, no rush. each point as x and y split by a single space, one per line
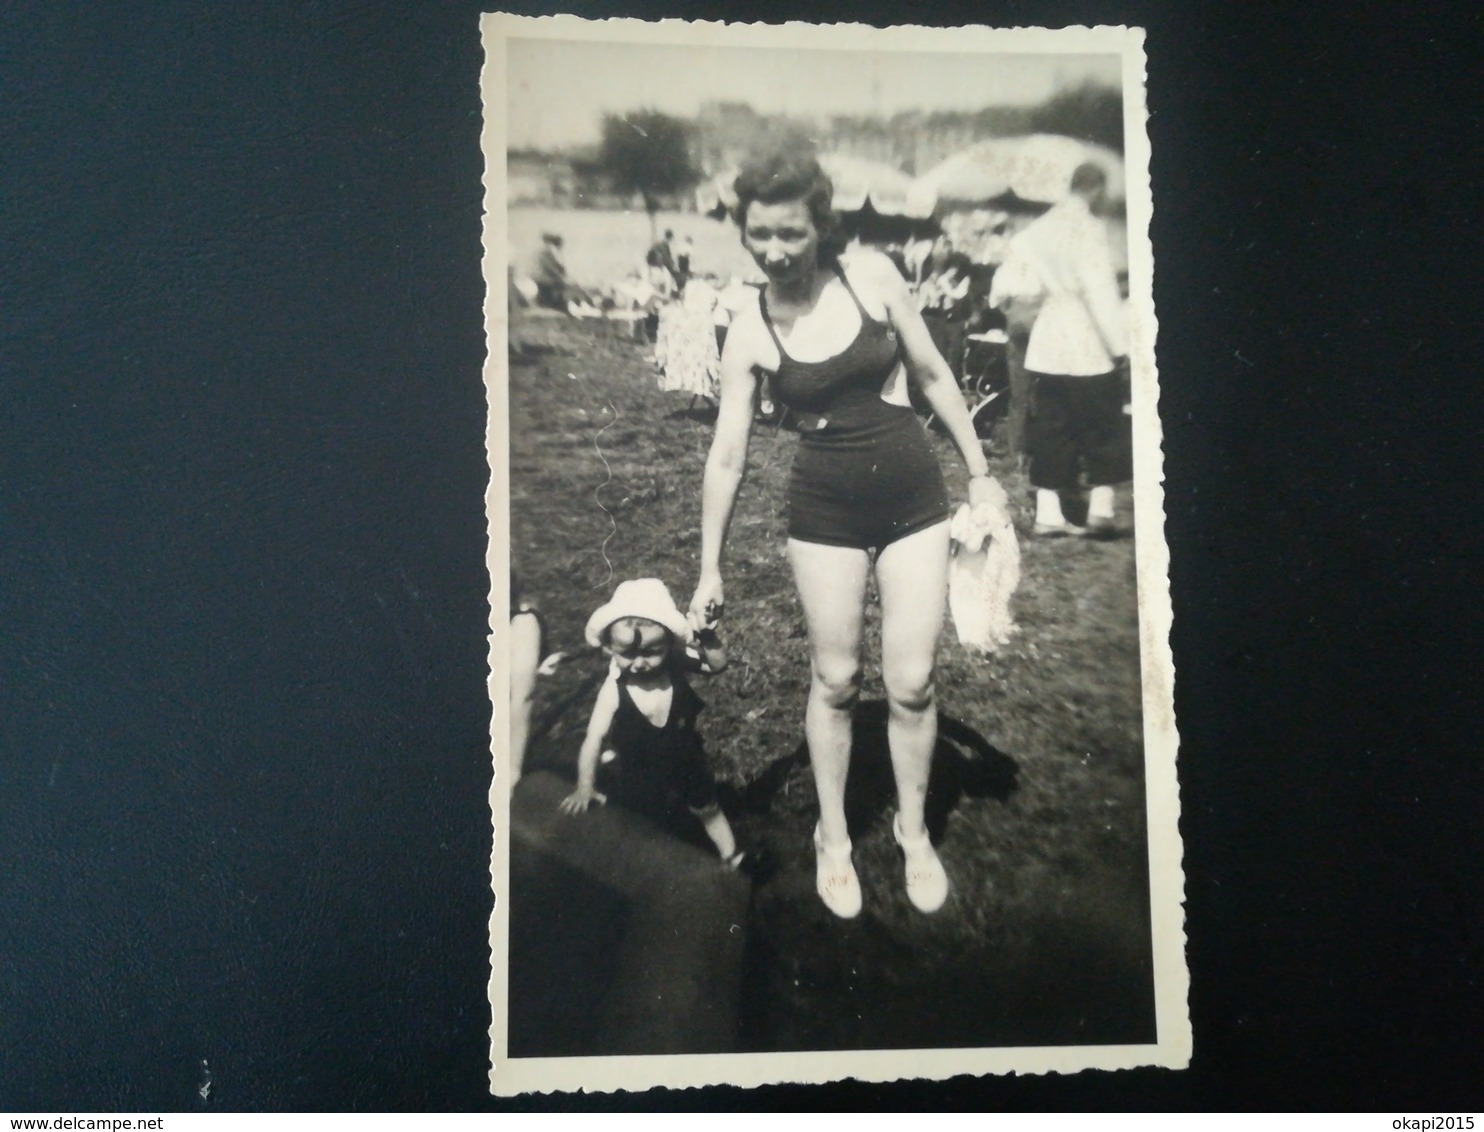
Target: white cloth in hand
983 574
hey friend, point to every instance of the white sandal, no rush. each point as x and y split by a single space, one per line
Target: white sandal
927 883
835 879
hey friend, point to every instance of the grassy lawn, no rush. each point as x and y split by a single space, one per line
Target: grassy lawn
1037 798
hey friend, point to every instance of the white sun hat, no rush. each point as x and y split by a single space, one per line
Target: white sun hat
642 597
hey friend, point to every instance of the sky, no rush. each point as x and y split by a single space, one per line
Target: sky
560 89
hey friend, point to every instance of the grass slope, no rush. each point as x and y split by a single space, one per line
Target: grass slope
1037 796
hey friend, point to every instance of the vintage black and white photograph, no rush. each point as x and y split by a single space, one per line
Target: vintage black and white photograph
833 729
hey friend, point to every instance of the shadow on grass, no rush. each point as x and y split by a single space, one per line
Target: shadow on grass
964 763
1005 963
703 412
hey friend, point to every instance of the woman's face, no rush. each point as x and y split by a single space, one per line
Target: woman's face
782 239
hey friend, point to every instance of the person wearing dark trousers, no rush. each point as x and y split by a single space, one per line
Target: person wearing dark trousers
1076 358
1078 428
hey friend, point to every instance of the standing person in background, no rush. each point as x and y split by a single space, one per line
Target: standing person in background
662 256
944 300
1075 358
660 268
685 346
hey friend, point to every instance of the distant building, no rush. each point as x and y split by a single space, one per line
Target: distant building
725 133
558 180
872 139
539 178
913 141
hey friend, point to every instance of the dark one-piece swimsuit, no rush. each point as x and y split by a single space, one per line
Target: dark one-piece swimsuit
658 771
864 474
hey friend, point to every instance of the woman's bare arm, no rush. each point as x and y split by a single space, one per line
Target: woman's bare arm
927 366
726 462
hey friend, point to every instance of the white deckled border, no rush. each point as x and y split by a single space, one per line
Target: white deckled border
510 1076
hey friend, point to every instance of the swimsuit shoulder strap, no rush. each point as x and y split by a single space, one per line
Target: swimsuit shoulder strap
762 305
686 704
762 300
866 318
624 699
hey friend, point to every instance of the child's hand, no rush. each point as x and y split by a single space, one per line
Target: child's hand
709 653
580 799
706 604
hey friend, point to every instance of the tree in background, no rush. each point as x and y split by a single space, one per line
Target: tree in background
648 153
1091 112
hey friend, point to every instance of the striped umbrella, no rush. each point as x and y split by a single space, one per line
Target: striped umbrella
1035 169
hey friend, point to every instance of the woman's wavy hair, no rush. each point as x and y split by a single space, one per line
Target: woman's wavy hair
788 174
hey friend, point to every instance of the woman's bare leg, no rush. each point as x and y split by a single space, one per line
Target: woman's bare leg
912 575
832 586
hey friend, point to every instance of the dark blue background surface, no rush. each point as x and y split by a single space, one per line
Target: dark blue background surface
242 597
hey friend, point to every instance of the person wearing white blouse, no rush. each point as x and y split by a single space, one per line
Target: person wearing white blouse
1076 356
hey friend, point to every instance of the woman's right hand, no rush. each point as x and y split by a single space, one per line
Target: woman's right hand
706 604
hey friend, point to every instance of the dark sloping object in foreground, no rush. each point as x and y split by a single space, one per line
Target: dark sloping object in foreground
624 939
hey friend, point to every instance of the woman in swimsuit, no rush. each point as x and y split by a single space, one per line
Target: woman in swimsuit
833 337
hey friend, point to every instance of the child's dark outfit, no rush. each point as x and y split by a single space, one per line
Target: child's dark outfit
658 771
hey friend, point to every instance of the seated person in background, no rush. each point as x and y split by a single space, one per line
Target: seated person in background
642 746
550 273
633 291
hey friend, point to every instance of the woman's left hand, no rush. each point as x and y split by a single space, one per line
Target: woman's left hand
981 491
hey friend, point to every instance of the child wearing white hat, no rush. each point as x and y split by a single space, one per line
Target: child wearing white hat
642 737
